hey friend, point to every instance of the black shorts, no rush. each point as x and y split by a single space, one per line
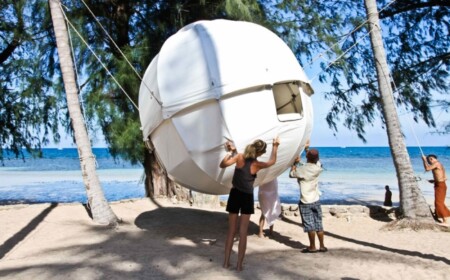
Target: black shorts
240 201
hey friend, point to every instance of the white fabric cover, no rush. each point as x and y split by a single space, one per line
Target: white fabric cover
269 201
213 80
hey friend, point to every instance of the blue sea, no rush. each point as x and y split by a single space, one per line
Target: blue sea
353 175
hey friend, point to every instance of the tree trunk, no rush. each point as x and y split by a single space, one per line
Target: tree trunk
412 203
100 209
158 184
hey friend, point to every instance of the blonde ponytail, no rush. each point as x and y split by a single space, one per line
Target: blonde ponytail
258 147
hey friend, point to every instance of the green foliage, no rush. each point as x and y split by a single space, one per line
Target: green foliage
33 104
139 28
421 58
29 112
416 41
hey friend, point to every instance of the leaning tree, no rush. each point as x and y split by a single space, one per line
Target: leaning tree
414 208
99 207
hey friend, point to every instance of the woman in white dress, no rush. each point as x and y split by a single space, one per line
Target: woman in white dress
269 201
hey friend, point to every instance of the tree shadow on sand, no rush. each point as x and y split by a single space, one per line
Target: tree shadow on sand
187 223
383 218
388 249
175 243
9 244
286 240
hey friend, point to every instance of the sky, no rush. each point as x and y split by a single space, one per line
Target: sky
416 134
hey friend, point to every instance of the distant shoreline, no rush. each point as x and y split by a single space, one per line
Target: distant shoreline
363 146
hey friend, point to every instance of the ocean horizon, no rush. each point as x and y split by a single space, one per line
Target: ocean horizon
353 175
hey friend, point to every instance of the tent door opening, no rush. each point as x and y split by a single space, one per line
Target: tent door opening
288 101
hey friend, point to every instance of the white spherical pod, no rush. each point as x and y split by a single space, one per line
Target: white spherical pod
218 80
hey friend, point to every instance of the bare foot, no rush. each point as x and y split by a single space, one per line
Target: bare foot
261 235
443 224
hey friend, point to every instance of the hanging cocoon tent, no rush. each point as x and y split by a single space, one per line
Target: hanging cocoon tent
218 80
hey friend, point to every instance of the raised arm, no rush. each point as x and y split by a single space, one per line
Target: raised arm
293 171
427 166
273 156
231 156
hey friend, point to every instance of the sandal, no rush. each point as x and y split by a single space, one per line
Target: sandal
323 250
308 251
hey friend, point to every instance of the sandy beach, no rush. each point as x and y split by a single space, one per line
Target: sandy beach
162 240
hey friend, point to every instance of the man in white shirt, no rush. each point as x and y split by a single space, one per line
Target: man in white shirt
310 209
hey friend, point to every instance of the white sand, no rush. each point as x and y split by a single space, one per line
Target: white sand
182 242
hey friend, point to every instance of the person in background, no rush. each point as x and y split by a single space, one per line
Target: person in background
310 209
269 201
241 198
387 197
431 162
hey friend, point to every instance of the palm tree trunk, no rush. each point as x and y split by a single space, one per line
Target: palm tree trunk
412 203
100 209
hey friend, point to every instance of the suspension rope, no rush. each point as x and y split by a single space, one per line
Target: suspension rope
98 59
407 119
320 55
354 45
339 57
391 79
123 55
345 37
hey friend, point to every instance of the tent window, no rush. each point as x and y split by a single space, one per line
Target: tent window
288 101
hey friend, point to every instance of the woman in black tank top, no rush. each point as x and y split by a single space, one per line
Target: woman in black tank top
241 198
